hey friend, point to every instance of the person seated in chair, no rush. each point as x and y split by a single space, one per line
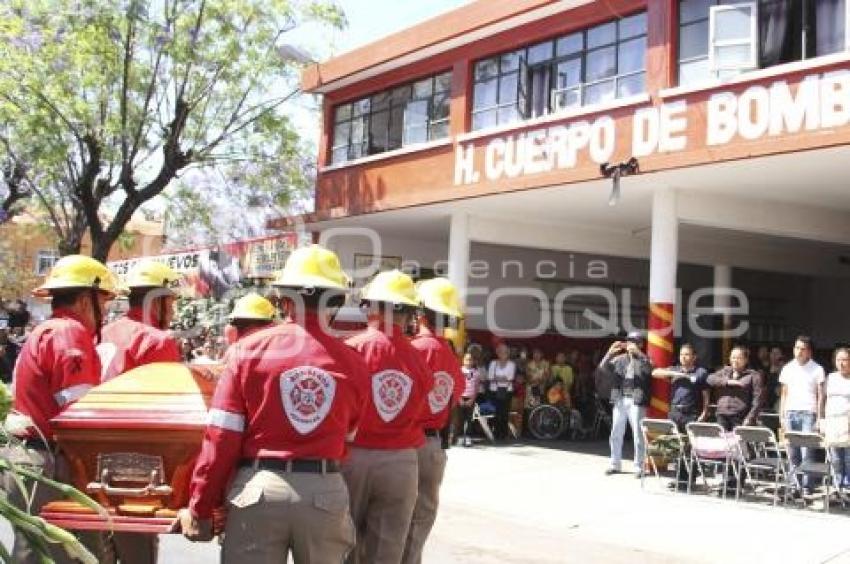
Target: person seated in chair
556 396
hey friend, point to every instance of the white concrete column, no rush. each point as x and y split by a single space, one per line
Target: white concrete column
722 279
722 302
459 253
664 256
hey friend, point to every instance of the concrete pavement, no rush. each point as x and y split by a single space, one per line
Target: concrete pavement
551 503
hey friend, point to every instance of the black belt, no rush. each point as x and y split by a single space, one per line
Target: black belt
304 466
432 432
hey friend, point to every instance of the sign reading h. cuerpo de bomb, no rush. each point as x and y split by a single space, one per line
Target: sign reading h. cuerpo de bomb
818 102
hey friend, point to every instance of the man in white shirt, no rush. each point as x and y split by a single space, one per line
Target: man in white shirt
802 399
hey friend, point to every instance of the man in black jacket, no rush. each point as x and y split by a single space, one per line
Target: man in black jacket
631 374
740 391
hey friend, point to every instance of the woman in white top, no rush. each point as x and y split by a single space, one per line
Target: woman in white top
500 377
838 404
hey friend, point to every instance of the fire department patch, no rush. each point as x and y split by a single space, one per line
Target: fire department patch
390 392
441 393
307 394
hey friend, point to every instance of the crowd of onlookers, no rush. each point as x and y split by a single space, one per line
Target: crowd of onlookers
515 379
765 385
15 327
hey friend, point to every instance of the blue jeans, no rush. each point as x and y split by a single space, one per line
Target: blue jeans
841 466
803 421
625 411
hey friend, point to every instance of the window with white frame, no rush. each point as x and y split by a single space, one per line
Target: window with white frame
721 38
411 113
44 261
591 66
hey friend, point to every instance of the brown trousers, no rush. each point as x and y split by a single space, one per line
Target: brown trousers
272 513
383 486
432 466
56 468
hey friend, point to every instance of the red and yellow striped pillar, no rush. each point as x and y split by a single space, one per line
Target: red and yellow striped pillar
661 353
663 262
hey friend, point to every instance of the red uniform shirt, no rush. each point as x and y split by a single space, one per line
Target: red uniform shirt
398 384
56 366
231 347
128 342
288 392
448 380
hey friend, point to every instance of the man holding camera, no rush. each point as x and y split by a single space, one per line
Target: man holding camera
631 372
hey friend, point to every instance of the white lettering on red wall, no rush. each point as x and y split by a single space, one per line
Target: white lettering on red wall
818 102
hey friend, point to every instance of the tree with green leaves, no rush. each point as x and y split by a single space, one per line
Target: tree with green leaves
104 103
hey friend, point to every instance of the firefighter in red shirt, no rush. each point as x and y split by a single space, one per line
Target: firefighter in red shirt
56 366
382 471
141 337
289 397
439 300
251 313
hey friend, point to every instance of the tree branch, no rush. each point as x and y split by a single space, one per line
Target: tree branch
181 91
13 176
227 132
149 91
125 85
85 188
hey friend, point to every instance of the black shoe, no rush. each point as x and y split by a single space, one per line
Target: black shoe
639 474
611 471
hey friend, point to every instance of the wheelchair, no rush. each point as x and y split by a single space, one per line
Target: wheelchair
547 422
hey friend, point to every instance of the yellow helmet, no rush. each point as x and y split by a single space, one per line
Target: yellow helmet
149 273
393 286
312 267
440 295
78 271
253 306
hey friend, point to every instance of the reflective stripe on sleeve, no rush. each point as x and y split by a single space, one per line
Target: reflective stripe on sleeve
72 393
227 420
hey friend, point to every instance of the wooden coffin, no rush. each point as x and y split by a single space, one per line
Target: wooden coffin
131 444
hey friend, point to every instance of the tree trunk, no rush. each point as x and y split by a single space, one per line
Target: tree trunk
101 245
69 246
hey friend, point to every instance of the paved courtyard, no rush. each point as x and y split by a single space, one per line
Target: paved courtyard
551 503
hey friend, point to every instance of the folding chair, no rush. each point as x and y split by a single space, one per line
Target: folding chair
823 470
755 445
711 446
512 428
602 418
483 422
661 437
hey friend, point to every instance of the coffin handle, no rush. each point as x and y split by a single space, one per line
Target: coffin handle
154 489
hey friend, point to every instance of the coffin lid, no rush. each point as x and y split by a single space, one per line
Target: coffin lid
162 395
